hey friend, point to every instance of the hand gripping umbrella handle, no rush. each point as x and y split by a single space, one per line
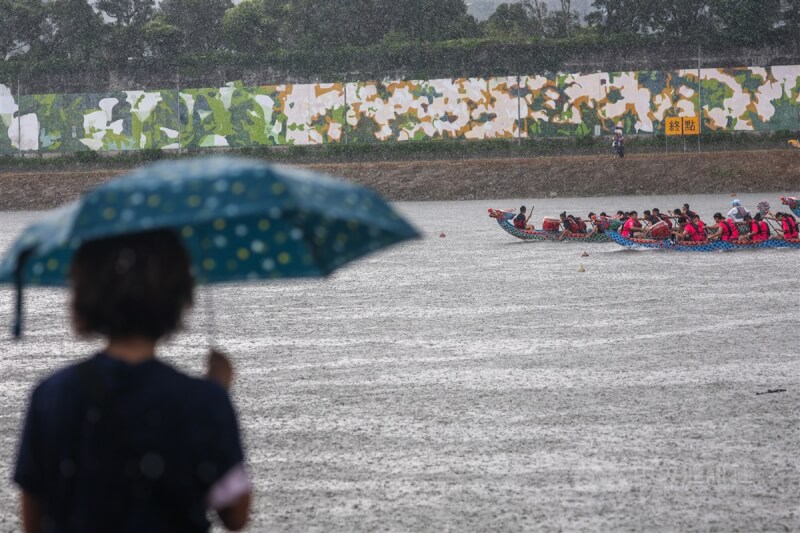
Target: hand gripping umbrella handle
18 281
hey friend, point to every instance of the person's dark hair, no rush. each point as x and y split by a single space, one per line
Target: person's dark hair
646 212
603 214
683 220
686 206
131 285
522 209
633 213
695 216
591 214
748 217
676 212
656 211
620 212
757 217
718 216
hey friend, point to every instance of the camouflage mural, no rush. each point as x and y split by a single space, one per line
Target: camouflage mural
240 116
436 109
130 120
740 99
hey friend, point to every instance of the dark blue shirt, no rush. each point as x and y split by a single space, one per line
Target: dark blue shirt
109 446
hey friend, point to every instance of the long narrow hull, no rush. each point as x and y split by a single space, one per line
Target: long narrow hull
705 246
504 219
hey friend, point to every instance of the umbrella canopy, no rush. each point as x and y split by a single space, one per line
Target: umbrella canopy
239 219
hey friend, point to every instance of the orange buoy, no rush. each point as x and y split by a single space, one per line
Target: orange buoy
585 254
582 269
442 235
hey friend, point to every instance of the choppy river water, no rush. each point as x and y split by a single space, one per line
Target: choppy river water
478 382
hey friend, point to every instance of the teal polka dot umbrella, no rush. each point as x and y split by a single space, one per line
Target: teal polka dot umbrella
240 220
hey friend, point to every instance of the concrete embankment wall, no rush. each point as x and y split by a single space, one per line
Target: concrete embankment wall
508 107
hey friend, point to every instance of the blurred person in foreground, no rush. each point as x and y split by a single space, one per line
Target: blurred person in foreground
122 441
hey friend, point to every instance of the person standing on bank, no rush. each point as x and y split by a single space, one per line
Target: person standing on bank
122 441
619 143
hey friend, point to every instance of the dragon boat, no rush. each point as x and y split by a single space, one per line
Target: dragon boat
792 203
505 220
701 246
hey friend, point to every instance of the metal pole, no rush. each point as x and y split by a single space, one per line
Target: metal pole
519 110
19 118
346 111
699 97
178 106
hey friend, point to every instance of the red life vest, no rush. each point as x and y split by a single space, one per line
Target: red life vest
729 230
696 232
759 231
575 225
570 225
789 228
626 228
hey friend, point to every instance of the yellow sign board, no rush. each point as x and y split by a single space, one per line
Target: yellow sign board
691 126
673 126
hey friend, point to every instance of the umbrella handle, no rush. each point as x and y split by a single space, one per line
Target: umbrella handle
18 281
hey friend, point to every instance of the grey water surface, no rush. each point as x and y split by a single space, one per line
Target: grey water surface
476 382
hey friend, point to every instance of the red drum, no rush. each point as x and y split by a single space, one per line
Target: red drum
660 230
551 224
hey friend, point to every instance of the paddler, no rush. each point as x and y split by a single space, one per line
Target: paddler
521 221
695 230
725 230
631 226
678 232
572 225
788 225
666 218
650 220
649 217
599 224
758 229
688 213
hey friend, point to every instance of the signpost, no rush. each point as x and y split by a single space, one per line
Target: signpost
680 127
691 126
674 126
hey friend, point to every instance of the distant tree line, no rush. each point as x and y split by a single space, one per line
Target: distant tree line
116 30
